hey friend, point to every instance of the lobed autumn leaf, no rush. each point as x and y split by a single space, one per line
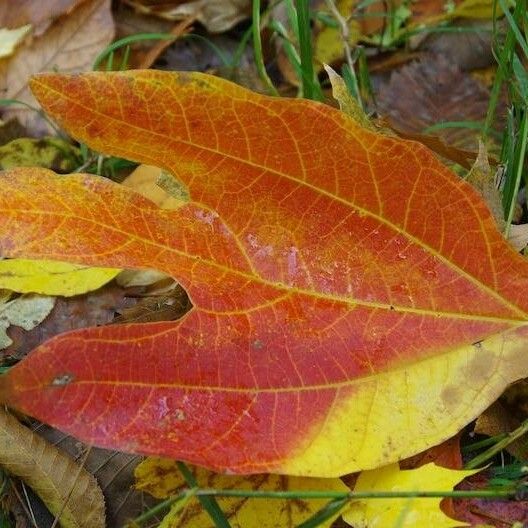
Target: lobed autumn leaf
354 302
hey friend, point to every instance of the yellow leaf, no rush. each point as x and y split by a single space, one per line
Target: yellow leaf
66 489
49 277
329 42
405 512
161 478
476 9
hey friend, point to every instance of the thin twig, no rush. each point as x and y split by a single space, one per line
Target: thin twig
345 36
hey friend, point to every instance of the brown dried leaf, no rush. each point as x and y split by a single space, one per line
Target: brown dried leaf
168 307
66 488
35 12
69 313
216 15
483 179
70 45
431 91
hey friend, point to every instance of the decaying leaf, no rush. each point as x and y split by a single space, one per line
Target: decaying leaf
161 307
405 512
94 308
216 15
11 38
52 153
431 91
483 179
66 489
333 309
347 103
11 129
26 311
70 44
161 478
518 236
486 513
499 419
36 13
51 277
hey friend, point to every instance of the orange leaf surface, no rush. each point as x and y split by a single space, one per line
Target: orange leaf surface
354 302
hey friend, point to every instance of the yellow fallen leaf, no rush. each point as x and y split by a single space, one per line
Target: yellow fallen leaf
49 277
11 38
329 42
405 512
68 491
26 311
476 9
161 478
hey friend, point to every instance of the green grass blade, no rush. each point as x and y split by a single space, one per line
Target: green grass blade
257 50
126 41
514 27
311 87
481 459
518 166
209 503
327 512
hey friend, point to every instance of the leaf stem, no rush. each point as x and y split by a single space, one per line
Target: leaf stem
501 493
328 511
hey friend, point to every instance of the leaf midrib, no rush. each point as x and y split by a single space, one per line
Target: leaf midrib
281 286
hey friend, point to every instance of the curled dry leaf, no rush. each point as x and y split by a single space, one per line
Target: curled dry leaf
216 15
161 478
26 311
332 308
70 44
39 15
66 489
11 38
69 313
484 181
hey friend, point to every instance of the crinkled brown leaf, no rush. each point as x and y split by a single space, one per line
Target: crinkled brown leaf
71 44
66 489
35 12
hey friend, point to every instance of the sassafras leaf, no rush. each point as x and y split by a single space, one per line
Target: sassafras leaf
353 300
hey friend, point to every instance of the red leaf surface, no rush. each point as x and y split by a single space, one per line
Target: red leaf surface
354 302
